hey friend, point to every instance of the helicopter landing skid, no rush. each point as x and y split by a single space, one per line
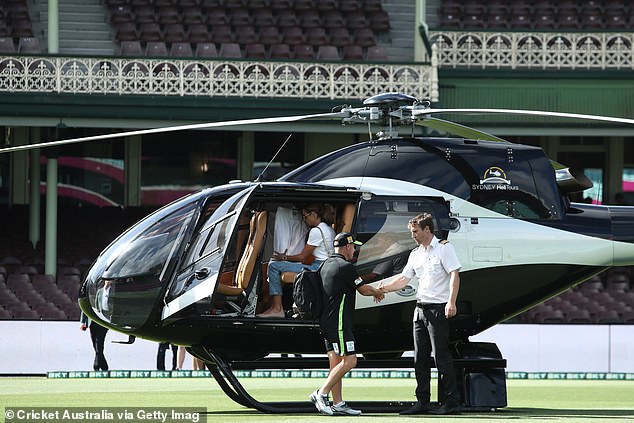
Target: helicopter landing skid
222 372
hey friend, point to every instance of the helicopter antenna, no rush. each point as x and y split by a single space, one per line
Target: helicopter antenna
273 158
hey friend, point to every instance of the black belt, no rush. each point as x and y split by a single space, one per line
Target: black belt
430 305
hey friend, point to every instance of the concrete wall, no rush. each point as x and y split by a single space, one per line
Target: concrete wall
38 347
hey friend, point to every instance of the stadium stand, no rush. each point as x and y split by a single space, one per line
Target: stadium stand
563 15
247 23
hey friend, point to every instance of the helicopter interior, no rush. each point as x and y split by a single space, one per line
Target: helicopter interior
242 287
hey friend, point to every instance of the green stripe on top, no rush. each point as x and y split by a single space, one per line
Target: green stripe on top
340 325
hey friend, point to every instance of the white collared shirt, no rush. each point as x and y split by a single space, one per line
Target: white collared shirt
432 266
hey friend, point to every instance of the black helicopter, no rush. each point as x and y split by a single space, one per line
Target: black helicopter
193 273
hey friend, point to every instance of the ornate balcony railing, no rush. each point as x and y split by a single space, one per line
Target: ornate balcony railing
534 50
213 78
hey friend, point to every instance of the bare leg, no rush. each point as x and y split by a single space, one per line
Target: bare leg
275 310
339 366
181 357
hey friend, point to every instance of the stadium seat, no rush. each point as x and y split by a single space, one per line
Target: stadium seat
255 51
246 34
150 31
25 269
217 16
287 18
303 5
376 54
230 50
168 14
615 20
545 20
206 4
303 52
263 17
293 36
156 49
356 21
316 36
326 5
280 51
351 6
240 17
326 52
269 35
235 4
42 282
222 34
206 50
334 19
174 33
198 33
131 48
144 14
607 316
282 5
578 316
379 21
181 49
551 316
6 45
309 19
354 53
29 45
340 37
122 13
364 37
126 31
591 20
568 19
192 15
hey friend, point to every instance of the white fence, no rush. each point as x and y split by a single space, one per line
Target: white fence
28 347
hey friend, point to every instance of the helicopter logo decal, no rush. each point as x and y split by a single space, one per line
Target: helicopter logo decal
495 178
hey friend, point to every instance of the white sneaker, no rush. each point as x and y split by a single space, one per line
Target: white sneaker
321 402
343 409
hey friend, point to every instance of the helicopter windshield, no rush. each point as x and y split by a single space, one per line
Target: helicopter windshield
199 268
126 280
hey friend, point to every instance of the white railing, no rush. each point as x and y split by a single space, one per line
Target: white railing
534 50
213 78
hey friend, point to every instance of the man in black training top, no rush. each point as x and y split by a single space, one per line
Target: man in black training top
341 281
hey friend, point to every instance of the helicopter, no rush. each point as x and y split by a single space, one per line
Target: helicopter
193 273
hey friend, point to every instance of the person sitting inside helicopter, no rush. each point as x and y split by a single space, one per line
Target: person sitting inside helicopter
320 219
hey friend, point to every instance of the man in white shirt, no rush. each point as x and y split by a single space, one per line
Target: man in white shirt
437 267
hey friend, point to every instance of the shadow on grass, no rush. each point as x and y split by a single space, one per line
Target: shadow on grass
501 414
540 413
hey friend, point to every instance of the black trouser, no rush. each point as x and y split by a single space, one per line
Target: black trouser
160 356
431 333
98 336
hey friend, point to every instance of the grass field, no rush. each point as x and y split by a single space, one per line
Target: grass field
529 400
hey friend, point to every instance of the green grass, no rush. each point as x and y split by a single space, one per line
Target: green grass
529 400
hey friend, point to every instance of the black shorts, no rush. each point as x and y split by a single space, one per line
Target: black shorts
345 346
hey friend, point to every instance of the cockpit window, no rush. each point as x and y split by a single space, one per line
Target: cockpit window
203 257
125 282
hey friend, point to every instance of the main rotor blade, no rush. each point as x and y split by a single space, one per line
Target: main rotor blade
336 115
471 133
525 112
457 129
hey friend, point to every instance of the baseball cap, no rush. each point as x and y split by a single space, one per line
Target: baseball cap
344 238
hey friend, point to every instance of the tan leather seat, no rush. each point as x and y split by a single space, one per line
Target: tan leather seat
255 242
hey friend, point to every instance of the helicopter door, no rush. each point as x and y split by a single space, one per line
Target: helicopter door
197 277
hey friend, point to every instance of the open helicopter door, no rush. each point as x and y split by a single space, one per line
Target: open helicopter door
200 267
